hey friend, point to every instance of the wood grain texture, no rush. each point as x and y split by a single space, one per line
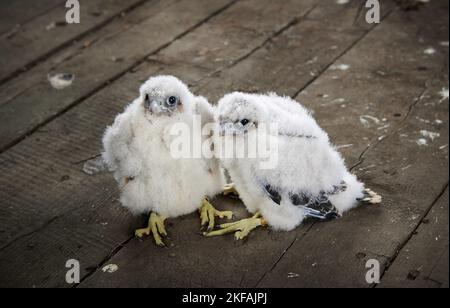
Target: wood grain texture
36 39
13 14
423 261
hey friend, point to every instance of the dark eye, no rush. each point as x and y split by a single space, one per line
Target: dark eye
146 100
172 101
245 122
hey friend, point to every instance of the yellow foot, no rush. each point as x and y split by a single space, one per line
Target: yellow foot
230 189
155 227
241 228
208 214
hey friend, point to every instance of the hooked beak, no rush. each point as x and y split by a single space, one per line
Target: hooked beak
156 106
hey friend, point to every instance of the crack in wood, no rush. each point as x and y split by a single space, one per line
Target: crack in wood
297 238
436 264
358 13
56 49
10 33
395 131
87 159
10 99
439 284
113 252
295 21
49 222
400 247
339 56
17 238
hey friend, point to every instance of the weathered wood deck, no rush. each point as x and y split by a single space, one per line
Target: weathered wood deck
377 89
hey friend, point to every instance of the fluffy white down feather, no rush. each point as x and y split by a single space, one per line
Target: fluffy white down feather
304 164
137 147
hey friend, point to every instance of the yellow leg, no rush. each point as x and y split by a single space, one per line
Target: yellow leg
230 189
208 214
155 227
241 228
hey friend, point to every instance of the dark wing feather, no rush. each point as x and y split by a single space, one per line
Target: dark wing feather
273 193
317 206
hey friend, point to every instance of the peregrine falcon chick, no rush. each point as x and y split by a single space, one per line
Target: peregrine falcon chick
310 178
137 148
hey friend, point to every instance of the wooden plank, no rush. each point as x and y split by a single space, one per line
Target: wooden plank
45 162
28 102
196 262
423 261
294 59
13 14
48 32
390 77
245 27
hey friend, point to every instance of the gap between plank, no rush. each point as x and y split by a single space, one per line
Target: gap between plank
42 227
283 254
398 128
58 48
340 55
47 223
104 261
295 21
402 245
13 29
